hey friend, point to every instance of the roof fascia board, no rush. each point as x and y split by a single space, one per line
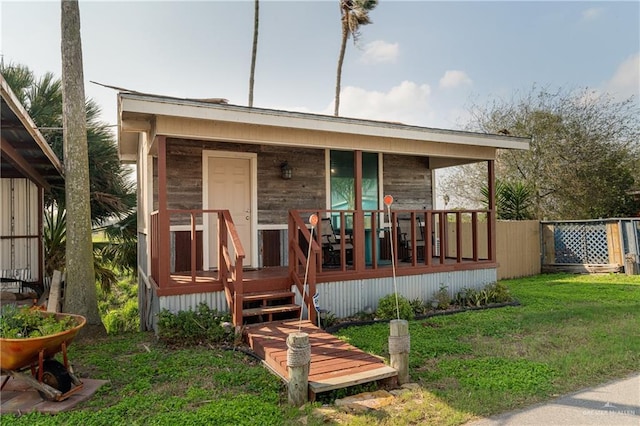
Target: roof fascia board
26 121
21 164
191 128
162 106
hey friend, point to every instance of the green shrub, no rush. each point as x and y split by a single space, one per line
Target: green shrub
193 326
327 319
387 308
498 293
441 297
418 306
122 320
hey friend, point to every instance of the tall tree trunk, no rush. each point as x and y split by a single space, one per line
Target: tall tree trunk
254 51
343 48
80 291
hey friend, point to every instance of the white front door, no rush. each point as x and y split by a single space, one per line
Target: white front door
230 188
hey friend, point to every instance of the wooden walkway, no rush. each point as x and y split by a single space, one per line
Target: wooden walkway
334 363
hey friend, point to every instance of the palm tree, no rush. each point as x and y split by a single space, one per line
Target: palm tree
80 290
254 50
354 13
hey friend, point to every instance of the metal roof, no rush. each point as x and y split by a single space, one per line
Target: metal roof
218 109
25 152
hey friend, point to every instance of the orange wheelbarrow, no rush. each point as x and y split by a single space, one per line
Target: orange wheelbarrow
52 379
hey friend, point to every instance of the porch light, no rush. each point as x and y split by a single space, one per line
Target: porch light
285 170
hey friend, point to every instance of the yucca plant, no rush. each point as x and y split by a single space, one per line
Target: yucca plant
514 200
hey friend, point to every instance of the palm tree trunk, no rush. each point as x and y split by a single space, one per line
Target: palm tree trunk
80 291
254 51
343 48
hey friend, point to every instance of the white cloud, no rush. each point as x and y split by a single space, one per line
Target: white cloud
591 14
626 80
454 78
380 51
407 103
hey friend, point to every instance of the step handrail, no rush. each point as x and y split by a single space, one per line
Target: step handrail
298 234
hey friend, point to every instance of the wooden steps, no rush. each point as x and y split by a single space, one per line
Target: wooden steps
270 310
269 306
267 295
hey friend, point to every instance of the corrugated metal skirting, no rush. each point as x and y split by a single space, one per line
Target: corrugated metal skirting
347 298
187 302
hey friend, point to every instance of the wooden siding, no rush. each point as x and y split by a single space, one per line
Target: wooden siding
408 179
276 196
305 189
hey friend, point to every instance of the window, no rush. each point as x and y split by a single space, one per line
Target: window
343 181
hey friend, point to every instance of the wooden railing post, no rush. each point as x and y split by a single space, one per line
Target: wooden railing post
474 234
443 237
193 247
491 220
428 237
164 269
458 236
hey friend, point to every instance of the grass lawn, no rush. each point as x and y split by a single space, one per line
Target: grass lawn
571 331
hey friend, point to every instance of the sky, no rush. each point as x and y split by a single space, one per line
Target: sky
419 62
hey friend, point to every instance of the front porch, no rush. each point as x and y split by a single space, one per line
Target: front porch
460 241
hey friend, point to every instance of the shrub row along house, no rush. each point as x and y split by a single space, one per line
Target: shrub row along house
226 192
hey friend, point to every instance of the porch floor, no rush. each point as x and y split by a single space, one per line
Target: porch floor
334 363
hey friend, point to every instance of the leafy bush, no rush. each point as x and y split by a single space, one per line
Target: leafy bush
418 306
492 293
498 293
119 306
327 319
123 320
387 308
193 326
441 297
22 323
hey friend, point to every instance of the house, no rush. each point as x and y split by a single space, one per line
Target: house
28 168
226 194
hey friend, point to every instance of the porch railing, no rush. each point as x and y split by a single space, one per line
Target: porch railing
432 239
304 256
230 254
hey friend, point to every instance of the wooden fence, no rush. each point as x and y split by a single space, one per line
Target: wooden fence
517 246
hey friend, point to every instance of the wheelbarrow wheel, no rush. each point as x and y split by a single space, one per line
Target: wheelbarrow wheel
56 375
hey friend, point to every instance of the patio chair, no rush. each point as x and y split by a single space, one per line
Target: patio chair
331 244
404 235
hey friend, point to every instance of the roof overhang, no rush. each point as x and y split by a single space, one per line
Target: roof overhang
25 152
151 113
